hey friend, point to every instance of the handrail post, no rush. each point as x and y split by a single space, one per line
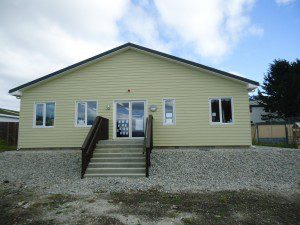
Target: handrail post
148 142
151 143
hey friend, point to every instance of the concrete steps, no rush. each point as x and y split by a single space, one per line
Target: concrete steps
116 158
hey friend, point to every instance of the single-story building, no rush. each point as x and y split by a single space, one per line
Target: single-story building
190 105
193 104
7 115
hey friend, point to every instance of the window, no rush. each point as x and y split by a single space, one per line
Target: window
44 114
169 111
86 112
221 110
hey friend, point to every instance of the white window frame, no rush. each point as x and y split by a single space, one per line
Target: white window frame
220 110
85 116
44 114
174 112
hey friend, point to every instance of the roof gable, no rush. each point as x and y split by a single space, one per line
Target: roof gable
139 48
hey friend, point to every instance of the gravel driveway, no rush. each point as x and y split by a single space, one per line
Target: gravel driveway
264 168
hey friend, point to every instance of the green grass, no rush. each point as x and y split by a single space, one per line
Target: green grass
4 147
278 145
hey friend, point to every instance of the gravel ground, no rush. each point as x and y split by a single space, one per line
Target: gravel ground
260 168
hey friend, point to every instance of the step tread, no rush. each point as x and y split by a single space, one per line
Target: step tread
119 149
124 164
115 175
118 146
97 148
139 157
124 141
119 160
113 163
112 168
117 153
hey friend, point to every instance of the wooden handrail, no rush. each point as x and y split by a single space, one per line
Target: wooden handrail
90 134
148 142
99 131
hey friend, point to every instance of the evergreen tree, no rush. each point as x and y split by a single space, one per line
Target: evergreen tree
280 92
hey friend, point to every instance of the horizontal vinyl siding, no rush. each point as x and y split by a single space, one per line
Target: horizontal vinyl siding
151 79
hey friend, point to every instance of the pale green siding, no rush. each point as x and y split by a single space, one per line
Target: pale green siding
150 78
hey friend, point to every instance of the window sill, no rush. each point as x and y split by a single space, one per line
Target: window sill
83 126
169 124
220 124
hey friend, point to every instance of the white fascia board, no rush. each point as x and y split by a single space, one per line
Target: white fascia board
17 93
251 87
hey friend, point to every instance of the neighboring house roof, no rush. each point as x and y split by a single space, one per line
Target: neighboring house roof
9 113
255 103
141 48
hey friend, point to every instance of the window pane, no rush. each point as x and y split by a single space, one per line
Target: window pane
169 111
91 112
39 112
80 113
215 110
50 108
226 110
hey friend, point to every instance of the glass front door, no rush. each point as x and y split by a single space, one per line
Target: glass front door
130 119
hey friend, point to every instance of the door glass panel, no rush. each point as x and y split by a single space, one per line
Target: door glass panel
122 119
138 111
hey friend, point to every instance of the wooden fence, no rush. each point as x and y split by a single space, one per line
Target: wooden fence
272 133
9 132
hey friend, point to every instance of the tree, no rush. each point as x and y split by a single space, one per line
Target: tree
280 92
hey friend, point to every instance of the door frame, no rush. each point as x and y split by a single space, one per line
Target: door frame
130 117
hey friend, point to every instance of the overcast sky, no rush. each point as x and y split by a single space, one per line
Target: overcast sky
38 37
